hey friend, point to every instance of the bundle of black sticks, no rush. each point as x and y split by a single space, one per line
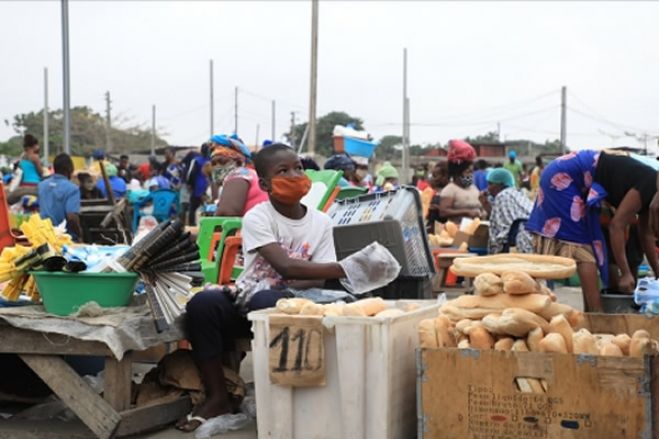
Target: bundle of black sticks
167 259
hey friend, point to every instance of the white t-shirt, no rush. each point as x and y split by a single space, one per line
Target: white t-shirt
309 238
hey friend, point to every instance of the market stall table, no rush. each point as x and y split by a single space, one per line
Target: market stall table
443 260
40 338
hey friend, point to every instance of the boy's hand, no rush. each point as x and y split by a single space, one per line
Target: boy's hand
290 268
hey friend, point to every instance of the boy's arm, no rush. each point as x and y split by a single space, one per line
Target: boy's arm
290 268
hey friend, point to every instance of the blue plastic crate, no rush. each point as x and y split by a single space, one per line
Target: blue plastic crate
362 148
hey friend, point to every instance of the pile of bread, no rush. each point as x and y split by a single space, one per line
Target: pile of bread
371 307
445 234
513 312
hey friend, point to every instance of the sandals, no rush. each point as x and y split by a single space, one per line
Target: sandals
190 418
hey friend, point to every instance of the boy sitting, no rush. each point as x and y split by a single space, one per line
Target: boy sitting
286 244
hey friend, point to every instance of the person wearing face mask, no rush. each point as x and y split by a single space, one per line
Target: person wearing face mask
341 162
231 171
362 177
88 189
460 198
509 205
286 244
387 178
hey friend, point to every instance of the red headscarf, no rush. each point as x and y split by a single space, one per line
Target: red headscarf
460 151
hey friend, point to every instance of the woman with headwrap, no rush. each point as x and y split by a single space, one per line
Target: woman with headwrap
508 206
341 162
231 170
565 219
387 178
460 198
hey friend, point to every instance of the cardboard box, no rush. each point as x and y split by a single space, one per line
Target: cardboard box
471 394
478 240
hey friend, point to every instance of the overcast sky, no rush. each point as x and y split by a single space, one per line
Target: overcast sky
470 65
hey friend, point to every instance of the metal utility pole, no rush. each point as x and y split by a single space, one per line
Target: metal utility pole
272 123
256 142
498 131
212 100
66 78
46 143
291 134
235 112
313 86
406 140
153 130
563 119
108 122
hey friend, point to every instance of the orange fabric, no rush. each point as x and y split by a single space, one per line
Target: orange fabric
290 190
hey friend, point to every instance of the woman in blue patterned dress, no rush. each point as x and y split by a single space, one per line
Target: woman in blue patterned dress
565 217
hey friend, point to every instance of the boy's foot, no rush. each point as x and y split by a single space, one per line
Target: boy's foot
204 411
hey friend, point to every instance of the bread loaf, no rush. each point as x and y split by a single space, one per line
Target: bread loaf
464 344
428 334
583 342
354 310
555 309
560 325
391 312
480 338
611 350
641 333
640 346
576 319
517 282
477 307
533 339
333 309
504 344
312 309
622 341
372 305
488 284
451 228
444 331
514 321
553 342
291 306
462 325
520 346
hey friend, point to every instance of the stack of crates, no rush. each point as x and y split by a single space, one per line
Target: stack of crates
395 220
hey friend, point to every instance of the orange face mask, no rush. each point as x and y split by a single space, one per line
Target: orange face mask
290 190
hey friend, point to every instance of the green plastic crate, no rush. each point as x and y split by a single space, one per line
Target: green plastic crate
64 293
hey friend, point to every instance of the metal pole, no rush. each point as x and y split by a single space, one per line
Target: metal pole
563 119
406 140
46 143
65 68
256 142
108 123
235 112
314 77
212 100
292 132
498 131
272 134
153 130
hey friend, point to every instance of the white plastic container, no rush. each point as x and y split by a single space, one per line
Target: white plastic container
370 372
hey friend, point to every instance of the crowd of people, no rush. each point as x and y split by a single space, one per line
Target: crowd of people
584 205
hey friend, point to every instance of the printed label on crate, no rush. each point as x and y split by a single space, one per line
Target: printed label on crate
494 415
296 351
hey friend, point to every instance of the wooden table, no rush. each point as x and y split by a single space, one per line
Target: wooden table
443 260
106 416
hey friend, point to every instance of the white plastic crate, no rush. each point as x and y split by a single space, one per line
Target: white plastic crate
370 372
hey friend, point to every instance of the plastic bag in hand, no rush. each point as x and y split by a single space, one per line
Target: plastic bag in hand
220 425
368 269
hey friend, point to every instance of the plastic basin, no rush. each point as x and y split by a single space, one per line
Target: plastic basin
64 293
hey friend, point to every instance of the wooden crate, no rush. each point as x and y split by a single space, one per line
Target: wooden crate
472 394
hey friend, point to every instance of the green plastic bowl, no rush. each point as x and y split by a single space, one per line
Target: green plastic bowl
64 293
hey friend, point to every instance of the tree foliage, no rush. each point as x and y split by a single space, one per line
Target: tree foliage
88 132
324 127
